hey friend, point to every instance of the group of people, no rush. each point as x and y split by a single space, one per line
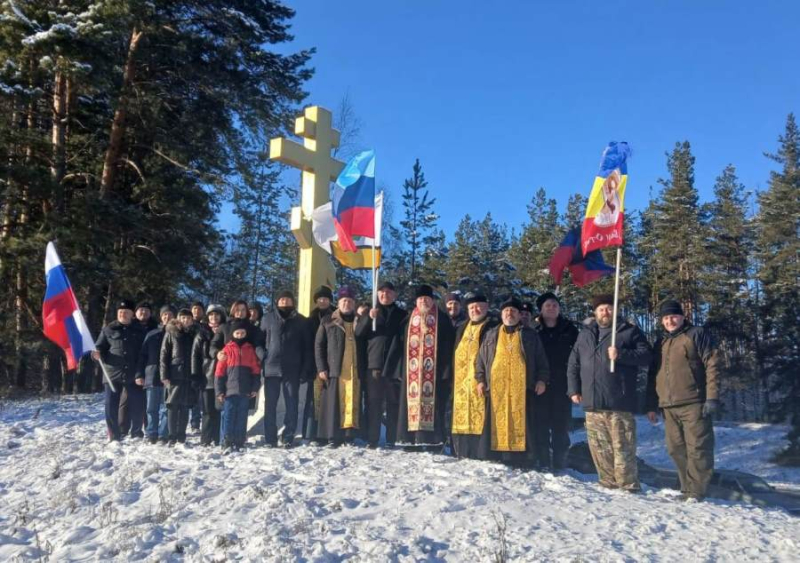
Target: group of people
455 376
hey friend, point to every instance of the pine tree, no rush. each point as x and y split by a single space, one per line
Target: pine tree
778 255
418 226
676 235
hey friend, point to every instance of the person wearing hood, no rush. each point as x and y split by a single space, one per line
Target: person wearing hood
684 383
552 409
148 372
118 347
609 398
387 318
204 364
421 362
323 298
288 363
176 374
469 407
236 381
512 369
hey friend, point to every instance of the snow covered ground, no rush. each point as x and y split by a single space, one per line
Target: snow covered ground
65 495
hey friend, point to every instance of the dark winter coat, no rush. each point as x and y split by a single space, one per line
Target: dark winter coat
536 366
315 318
239 373
255 336
684 370
588 368
176 353
387 327
289 346
329 345
151 324
558 342
203 361
120 346
150 358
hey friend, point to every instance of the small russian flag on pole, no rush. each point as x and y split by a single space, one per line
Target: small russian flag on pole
353 198
62 319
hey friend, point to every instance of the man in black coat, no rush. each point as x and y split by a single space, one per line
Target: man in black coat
143 315
387 318
323 298
609 399
288 362
203 365
118 348
148 372
552 409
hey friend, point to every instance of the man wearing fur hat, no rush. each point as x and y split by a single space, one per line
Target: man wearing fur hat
338 369
421 360
469 407
512 368
118 347
683 381
609 399
553 409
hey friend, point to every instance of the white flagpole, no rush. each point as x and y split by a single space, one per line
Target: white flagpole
105 374
378 228
616 302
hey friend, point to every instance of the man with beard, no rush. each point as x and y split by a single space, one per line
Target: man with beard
553 409
469 407
289 360
387 318
204 364
118 347
323 297
512 368
421 360
148 371
683 382
176 373
452 302
336 352
609 399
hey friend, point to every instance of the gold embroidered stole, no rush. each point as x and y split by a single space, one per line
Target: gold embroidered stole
349 385
507 389
469 408
421 343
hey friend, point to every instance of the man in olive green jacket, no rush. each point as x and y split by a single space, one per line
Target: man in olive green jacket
683 382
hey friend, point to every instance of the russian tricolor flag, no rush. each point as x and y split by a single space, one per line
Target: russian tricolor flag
62 318
353 200
584 269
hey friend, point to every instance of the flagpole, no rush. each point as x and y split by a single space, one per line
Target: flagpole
374 284
105 374
616 302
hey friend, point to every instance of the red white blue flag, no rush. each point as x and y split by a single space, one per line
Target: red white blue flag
353 200
62 318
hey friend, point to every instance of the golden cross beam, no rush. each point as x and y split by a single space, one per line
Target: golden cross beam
319 169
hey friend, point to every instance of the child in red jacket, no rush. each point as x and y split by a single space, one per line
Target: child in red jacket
237 379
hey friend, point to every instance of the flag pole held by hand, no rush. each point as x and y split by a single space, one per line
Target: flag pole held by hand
106 376
616 302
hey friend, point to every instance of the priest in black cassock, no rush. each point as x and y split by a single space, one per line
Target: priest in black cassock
421 360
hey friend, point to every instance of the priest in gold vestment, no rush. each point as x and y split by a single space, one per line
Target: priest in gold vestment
469 408
512 366
336 351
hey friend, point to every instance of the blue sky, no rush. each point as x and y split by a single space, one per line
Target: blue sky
499 98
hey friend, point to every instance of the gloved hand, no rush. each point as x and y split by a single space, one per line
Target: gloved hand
710 407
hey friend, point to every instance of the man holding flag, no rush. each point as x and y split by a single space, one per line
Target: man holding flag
118 349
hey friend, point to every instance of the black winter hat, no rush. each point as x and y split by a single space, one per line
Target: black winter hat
144 305
452 297
386 285
286 294
670 307
239 324
476 296
323 291
185 311
423 290
125 304
540 301
167 309
198 304
512 302
528 307
602 299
